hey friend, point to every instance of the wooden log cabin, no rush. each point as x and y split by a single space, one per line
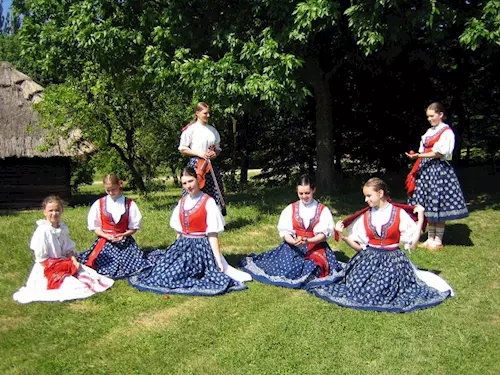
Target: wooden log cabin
28 170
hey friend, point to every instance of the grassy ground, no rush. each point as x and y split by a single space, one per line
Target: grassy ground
265 329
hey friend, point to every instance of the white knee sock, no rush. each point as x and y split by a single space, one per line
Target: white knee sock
439 235
431 232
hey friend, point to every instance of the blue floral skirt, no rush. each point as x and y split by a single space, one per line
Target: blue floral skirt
187 267
118 259
437 189
209 187
286 266
380 280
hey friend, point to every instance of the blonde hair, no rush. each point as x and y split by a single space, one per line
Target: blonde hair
199 107
111 179
52 199
377 184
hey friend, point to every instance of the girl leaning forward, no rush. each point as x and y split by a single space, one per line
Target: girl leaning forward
380 276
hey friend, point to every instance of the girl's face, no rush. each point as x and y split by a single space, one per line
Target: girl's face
203 115
373 197
190 184
434 118
113 190
305 193
52 213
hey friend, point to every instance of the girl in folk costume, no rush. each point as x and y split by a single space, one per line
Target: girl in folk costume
193 264
432 181
304 258
114 219
56 274
380 276
201 142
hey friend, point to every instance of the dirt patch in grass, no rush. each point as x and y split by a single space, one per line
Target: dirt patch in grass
151 321
7 322
84 307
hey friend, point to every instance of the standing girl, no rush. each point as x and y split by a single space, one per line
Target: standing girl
56 274
432 182
304 257
380 276
193 264
201 142
114 219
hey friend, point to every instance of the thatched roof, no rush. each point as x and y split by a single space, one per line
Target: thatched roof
20 135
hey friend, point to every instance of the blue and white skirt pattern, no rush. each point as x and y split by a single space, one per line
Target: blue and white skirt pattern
286 266
437 189
118 259
209 187
380 280
187 267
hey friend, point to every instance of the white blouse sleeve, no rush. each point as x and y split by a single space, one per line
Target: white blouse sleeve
134 217
217 140
38 244
186 139
445 144
357 232
325 224
94 217
215 220
175 222
285 224
68 245
407 227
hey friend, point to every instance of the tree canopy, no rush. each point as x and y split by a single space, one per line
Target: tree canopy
360 72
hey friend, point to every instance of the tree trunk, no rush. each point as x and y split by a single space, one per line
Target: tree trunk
324 136
235 147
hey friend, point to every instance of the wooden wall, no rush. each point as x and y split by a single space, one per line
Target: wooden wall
25 182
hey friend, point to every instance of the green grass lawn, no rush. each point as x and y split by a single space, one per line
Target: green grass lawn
264 329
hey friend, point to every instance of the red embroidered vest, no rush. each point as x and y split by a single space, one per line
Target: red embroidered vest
300 229
194 219
390 234
108 224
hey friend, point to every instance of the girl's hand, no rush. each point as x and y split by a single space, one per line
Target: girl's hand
419 210
339 227
75 262
220 265
412 155
210 154
118 238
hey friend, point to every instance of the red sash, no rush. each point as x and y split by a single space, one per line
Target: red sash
108 226
315 251
194 219
409 209
56 269
429 142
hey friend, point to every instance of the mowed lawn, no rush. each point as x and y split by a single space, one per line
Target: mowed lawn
264 329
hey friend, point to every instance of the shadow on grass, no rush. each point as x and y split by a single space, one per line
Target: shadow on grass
457 234
341 256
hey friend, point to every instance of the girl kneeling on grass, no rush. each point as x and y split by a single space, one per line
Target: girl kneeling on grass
115 218
193 264
304 258
380 276
56 274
